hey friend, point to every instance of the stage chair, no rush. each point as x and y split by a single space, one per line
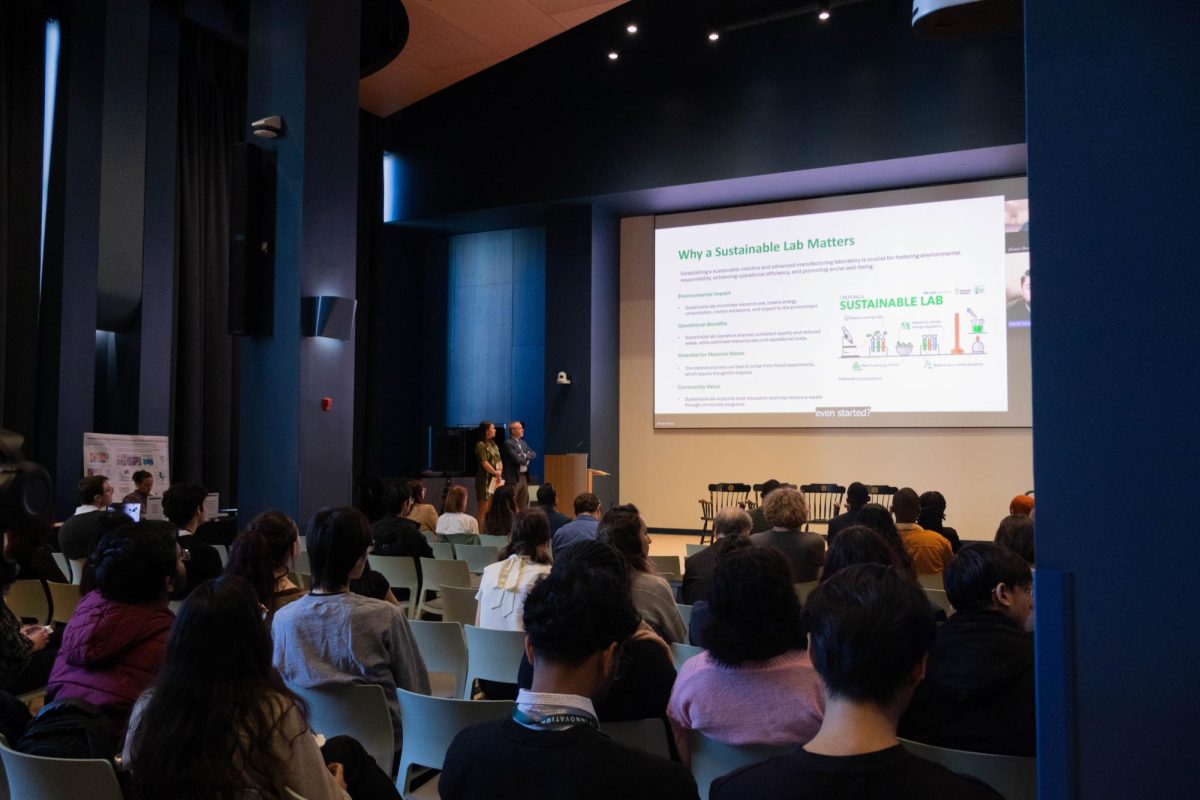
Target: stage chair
492 655
477 556
41 777
443 647
824 502
722 495
430 725
401 573
436 573
64 597
358 710
1014 777
668 567
498 542
882 494
712 759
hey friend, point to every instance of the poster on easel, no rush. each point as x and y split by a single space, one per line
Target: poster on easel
117 456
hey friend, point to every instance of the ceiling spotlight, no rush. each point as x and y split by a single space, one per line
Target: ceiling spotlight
631 28
613 55
823 14
712 37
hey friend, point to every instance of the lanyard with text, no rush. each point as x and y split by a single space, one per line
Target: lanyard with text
573 720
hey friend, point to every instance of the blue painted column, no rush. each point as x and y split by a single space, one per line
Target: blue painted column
303 65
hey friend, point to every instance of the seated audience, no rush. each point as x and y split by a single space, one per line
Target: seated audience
758 520
25 655
728 524
116 640
978 692
499 517
624 529
264 555
143 484
547 501
583 527
576 620
79 535
869 631
220 722
1022 505
183 505
422 513
505 584
930 552
856 497
859 544
1016 533
933 517
454 518
647 670
787 512
879 519
332 636
396 534
753 684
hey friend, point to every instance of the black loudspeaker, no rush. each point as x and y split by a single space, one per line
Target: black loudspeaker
251 241
453 451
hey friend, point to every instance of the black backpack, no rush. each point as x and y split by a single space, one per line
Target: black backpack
71 728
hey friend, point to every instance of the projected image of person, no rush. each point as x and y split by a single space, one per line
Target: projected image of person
1018 309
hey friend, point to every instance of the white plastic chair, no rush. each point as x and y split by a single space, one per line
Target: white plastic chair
301 565
647 735
77 565
436 573
223 552
492 655
442 550
498 542
430 537
401 573
692 549
941 600
27 599
685 611
477 556
64 566
443 647
65 597
928 581
459 604
1014 777
36 777
668 567
358 710
712 759
684 652
430 725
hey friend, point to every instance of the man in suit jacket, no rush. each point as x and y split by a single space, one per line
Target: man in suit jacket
698 569
856 498
516 455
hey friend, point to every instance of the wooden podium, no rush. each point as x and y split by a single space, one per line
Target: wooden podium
571 477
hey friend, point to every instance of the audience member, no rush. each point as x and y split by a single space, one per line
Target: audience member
396 533
515 455
499 518
787 512
183 505
143 484
647 670
728 524
547 500
220 722
25 655
505 584
978 692
623 528
754 683
576 621
1022 504
879 519
79 535
856 497
758 520
422 513
583 527
264 555
930 552
1016 533
933 516
454 518
116 640
870 631
859 544
332 636
488 464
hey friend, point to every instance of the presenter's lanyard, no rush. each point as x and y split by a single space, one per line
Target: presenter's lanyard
570 720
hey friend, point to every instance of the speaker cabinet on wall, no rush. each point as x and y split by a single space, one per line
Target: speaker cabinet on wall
251 241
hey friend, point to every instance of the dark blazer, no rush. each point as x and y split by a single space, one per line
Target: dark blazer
697 575
806 551
841 522
514 454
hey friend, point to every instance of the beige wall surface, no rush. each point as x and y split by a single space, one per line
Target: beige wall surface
665 472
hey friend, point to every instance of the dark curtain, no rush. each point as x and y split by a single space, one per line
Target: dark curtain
212 118
22 79
367 347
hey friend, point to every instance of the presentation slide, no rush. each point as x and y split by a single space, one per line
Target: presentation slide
898 314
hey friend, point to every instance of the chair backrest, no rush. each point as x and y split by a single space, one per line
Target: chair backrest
493 655
1014 777
803 590
461 538
436 573
724 495
443 550
430 725
692 549
685 611
932 581
477 556
27 599
459 604
668 567
498 542
223 552
712 759
301 565
401 573
882 494
64 566
359 710
940 599
65 597
431 537
647 735
683 652
41 777
443 647
824 501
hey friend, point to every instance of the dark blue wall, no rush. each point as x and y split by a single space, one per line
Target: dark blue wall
1113 105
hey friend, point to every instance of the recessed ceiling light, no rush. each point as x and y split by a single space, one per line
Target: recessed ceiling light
824 13
613 55
631 28
712 37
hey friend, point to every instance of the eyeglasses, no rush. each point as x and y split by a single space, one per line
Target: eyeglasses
185 555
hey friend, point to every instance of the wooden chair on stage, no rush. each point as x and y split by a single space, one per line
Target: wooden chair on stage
721 495
824 502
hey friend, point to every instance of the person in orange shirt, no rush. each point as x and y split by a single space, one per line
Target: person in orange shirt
929 551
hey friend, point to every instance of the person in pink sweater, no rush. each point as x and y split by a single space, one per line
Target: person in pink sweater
754 684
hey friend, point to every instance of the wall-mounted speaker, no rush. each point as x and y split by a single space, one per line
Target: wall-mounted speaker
251 241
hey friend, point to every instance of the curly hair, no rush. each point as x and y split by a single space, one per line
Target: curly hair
755 614
132 563
786 508
577 610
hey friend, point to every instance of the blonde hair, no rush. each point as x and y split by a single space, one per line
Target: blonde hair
786 508
456 500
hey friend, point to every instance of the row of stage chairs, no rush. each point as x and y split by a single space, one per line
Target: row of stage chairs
824 500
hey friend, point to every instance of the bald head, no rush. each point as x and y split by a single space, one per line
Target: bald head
906 505
732 521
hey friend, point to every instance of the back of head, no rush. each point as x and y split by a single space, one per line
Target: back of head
132 563
546 496
594 555
90 488
786 508
181 501
499 517
456 500
869 626
906 505
731 521
857 496
1016 533
973 575
768 486
755 614
1021 504
140 476
395 499
417 489
576 611
879 519
337 538
264 548
933 511
621 527
530 536
858 544
587 503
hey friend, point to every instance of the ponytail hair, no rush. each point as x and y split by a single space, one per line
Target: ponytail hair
261 550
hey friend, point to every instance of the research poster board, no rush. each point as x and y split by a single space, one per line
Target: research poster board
118 456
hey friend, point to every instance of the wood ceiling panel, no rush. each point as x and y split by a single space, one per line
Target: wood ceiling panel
572 17
436 44
507 26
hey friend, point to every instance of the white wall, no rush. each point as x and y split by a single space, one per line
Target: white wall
665 472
